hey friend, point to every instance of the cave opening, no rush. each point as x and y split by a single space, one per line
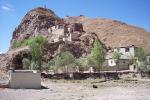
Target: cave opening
17 60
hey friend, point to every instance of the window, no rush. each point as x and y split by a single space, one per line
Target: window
111 62
127 49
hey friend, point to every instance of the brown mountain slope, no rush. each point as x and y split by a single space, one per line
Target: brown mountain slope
114 33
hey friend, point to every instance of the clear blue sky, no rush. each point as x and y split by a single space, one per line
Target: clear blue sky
134 12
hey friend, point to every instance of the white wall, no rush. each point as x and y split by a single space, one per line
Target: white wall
58 32
111 62
148 59
126 55
25 79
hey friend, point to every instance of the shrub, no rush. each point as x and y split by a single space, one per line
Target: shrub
65 59
16 44
26 63
97 54
141 58
36 45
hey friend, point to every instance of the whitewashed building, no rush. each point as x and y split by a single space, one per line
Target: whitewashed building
126 52
124 62
65 32
148 62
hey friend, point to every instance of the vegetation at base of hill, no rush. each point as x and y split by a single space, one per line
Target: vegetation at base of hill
64 60
36 45
140 57
116 56
97 54
68 61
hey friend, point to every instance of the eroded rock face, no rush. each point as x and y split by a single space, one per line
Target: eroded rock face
35 22
13 58
4 59
78 47
40 21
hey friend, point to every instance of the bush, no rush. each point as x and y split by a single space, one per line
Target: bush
97 54
65 59
16 44
45 66
141 58
36 45
26 63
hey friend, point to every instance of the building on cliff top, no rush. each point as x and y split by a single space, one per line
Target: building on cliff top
65 32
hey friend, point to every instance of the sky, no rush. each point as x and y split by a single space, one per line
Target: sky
134 12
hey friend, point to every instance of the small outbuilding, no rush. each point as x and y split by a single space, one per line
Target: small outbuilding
27 79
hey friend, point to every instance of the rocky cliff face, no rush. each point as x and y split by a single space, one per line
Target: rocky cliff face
114 33
39 21
35 22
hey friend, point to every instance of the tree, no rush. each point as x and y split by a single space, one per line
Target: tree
98 53
65 59
82 63
36 45
116 56
140 54
141 58
26 63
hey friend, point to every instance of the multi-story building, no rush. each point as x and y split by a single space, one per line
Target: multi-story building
65 31
126 56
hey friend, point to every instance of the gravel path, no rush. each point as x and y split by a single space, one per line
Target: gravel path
82 90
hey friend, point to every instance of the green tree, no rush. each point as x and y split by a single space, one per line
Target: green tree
26 63
140 54
82 63
116 56
65 59
16 44
36 45
98 53
141 58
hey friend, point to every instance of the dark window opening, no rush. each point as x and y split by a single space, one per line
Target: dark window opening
127 49
111 62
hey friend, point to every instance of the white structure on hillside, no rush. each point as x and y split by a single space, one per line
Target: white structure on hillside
65 31
148 62
126 52
124 62
148 59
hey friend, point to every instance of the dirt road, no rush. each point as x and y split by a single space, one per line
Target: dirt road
82 90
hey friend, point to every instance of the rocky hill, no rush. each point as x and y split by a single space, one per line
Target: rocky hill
42 21
114 33
83 32
35 22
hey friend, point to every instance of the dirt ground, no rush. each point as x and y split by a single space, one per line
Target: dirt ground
82 90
